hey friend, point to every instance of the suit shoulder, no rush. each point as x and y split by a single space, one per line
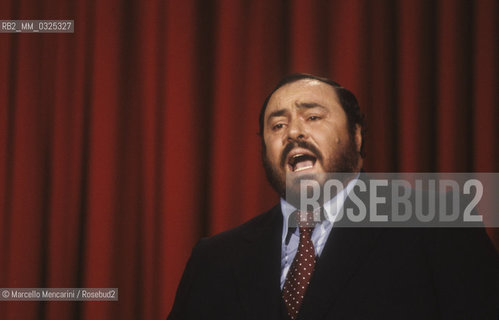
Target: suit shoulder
237 235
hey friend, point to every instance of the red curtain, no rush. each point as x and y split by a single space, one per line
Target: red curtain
124 143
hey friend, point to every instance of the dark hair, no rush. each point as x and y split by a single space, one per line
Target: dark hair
347 101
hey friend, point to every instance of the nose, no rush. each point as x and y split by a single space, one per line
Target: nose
296 131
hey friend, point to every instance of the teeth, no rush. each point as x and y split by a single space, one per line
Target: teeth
298 162
303 168
294 158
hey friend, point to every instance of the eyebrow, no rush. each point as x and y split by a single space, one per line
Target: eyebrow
299 105
309 105
277 113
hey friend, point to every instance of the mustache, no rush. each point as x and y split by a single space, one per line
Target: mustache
301 144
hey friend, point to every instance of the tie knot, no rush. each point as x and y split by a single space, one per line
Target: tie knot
305 220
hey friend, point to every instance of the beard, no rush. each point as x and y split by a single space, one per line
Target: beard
340 166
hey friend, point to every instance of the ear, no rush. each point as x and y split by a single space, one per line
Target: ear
358 137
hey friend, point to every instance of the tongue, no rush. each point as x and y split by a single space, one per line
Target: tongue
303 164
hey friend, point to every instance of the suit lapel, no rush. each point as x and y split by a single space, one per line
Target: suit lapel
258 270
346 250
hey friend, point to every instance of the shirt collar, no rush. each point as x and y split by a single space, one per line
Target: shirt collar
330 207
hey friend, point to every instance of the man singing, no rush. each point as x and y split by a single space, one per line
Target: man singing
291 264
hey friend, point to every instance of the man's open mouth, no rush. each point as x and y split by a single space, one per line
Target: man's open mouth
301 161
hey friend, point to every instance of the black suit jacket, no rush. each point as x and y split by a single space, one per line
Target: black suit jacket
362 273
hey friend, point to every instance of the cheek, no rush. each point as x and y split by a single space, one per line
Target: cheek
332 136
329 145
274 154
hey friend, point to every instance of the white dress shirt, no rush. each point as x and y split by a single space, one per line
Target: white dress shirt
321 231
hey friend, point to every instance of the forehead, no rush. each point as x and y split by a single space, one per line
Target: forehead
306 91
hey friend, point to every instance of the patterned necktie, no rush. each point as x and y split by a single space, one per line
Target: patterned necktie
300 272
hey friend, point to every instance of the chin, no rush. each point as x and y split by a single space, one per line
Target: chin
296 177
294 184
